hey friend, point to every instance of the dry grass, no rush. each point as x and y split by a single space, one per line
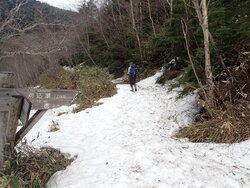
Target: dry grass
167 75
32 167
93 83
54 126
228 129
229 120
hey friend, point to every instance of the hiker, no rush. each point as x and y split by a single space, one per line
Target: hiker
133 72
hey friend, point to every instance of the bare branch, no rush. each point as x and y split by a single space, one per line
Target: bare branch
12 15
11 54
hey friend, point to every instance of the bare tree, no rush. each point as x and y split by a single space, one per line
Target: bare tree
29 46
135 27
11 28
202 13
119 10
185 32
151 18
200 17
170 3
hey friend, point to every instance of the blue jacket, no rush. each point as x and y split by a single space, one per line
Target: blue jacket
136 71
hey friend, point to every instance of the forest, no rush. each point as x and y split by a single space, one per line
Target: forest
209 40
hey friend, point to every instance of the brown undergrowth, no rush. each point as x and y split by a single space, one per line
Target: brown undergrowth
93 83
167 75
228 121
32 167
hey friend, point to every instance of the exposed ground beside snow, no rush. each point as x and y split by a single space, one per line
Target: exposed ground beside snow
126 142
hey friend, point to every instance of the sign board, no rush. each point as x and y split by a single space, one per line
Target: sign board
16 103
25 111
48 98
5 99
40 98
4 105
6 93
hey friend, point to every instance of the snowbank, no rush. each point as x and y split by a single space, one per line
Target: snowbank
127 142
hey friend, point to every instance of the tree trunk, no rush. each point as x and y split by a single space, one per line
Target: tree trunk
203 20
150 16
210 36
170 3
120 14
208 70
185 29
102 33
83 46
134 27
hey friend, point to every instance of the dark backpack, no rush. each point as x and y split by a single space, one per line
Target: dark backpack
133 71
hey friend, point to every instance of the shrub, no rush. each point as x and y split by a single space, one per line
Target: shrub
32 167
92 83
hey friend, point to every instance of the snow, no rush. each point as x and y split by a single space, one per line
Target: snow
70 69
127 142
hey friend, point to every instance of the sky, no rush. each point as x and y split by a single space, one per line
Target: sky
63 4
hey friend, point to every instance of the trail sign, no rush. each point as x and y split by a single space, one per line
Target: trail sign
48 98
16 103
41 98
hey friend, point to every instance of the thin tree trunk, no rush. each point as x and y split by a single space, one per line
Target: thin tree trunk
208 69
150 16
114 19
200 17
170 3
203 20
102 33
120 14
184 29
141 19
84 47
134 27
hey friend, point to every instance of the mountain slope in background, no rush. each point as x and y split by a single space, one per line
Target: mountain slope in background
35 39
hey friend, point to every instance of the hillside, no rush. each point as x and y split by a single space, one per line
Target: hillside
32 9
192 131
33 37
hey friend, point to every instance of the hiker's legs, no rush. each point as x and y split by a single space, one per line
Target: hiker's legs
135 83
131 85
135 87
132 80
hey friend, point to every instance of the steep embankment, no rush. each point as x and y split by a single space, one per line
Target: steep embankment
127 142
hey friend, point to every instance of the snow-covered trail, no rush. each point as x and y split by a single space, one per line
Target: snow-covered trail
126 142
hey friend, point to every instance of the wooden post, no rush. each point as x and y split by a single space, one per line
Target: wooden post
7 80
25 129
14 112
3 120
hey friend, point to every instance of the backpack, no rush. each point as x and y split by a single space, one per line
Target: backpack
133 71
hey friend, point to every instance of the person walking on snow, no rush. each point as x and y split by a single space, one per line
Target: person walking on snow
133 72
